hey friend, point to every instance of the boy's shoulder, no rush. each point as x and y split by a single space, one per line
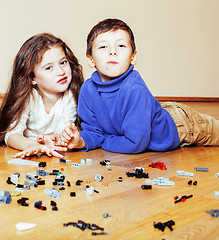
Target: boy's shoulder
134 79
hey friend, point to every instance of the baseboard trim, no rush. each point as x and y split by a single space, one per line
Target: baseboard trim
172 99
187 99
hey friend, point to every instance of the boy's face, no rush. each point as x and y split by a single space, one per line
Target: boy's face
112 54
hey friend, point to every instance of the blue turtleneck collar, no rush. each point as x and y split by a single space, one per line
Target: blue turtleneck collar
111 85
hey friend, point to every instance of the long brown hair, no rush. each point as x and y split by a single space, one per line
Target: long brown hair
20 87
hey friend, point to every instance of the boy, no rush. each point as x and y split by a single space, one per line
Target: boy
118 113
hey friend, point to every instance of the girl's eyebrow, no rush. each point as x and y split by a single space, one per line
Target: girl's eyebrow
49 63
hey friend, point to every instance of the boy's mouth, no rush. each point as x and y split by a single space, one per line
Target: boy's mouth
112 62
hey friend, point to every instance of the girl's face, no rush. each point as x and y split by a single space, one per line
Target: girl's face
53 74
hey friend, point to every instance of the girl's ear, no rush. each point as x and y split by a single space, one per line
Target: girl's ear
34 82
90 62
134 58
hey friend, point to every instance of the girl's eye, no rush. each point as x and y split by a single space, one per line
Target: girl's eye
64 62
49 68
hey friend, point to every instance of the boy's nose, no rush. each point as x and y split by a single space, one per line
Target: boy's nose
113 53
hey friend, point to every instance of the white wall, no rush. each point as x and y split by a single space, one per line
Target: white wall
177 40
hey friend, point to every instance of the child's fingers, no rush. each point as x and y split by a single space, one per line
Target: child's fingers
68 133
40 139
60 148
56 154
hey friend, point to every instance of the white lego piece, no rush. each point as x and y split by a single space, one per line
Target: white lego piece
14 178
161 181
24 226
82 160
140 168
98 178
183 173
217 174
89 160
23 161
77 165
216 193
90 191
53 193
86 160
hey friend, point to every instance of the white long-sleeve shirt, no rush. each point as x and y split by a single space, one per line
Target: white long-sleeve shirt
34 120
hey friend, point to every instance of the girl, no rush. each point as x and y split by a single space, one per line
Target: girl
42 96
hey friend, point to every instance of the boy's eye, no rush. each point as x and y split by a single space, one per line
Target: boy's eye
121 45
102 47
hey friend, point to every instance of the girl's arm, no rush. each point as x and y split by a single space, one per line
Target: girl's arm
32 147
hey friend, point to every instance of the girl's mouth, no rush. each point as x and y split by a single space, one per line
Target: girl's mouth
62 80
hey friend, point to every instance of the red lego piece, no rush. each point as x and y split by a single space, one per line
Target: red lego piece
159 165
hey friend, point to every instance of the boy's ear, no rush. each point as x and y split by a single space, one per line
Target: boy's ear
90 62
134 58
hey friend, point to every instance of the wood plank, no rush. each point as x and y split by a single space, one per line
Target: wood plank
132 209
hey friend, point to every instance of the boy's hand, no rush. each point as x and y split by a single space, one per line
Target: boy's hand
71 138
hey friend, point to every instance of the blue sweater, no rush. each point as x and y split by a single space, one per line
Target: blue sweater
122 116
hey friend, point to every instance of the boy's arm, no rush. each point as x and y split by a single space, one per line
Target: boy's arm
91 133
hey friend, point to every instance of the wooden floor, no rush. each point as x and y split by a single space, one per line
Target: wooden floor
133 210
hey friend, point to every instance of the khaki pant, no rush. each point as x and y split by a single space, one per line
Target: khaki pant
193 127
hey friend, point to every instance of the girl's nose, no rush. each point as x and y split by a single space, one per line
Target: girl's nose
60 71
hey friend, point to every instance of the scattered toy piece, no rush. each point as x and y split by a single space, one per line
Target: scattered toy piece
201 169
183 173
78 183
25 226
159 165
161 181
182 198
64 160
161 226
53 193
105 162
54 206
8 181
39 206
145 187
22 201
98 177
5 197
106 215
216 193
213 212
77 165
73 194
138 173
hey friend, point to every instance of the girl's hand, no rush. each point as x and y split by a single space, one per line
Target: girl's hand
51 142
39 148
